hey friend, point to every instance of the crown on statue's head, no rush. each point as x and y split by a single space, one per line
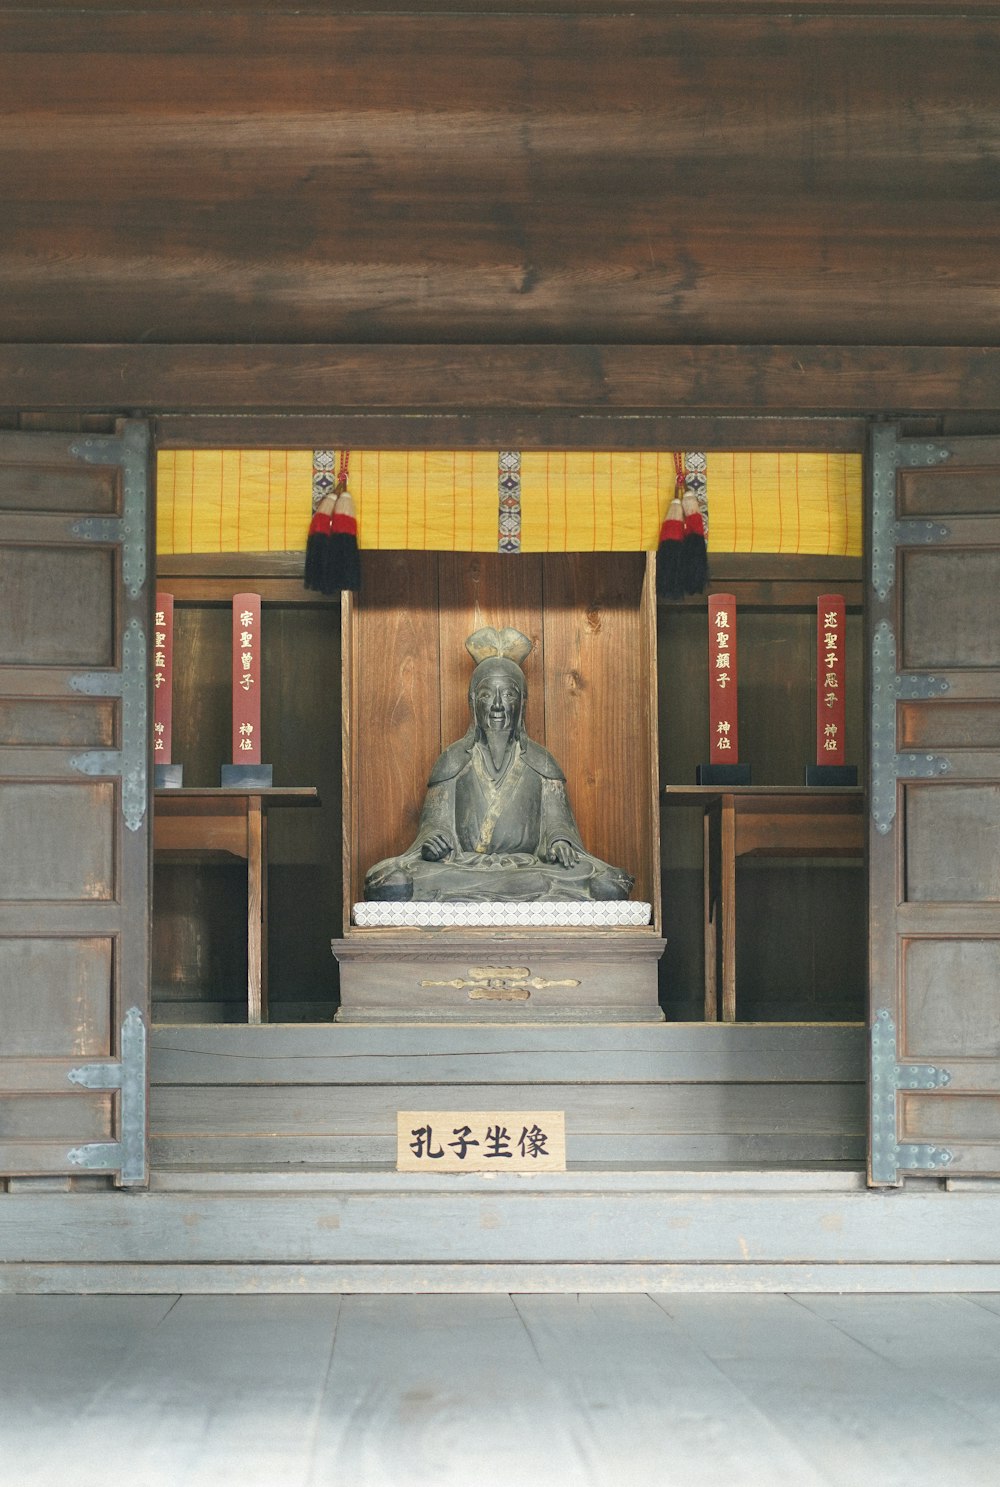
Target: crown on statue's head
508 643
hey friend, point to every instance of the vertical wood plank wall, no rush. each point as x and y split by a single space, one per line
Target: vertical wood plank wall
591 700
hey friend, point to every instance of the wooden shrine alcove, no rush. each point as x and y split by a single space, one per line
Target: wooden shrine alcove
591 701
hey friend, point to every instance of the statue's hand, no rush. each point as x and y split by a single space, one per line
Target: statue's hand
564 853
435 847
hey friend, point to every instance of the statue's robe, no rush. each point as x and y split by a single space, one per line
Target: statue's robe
501 831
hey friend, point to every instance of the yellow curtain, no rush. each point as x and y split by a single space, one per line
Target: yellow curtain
213 501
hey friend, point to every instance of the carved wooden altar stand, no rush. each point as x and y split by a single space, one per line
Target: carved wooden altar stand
591 701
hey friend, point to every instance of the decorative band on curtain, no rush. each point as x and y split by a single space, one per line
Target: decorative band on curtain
509 501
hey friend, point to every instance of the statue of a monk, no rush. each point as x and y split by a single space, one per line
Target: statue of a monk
496 822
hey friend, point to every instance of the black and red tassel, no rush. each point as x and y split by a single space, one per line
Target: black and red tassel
694 548
669 554
332 559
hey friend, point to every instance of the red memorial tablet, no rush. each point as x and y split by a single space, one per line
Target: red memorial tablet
163 678
722 711
246 679
830 677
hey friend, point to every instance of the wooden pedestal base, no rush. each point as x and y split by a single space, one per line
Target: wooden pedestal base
390 975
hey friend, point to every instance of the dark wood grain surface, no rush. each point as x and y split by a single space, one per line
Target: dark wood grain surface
598 701
794 379
479 589
661 176
395 707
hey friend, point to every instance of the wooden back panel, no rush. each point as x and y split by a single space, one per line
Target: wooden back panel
591 692
600 634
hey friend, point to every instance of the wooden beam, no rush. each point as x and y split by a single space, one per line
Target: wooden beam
372 1218
510 430
331 379
163 1278
606 174
661 9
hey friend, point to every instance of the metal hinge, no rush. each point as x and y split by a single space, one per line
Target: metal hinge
130 451
126 1156
889 454
130 762
888 688
889 1156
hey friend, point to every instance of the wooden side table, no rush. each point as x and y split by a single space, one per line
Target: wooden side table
760 821
204 825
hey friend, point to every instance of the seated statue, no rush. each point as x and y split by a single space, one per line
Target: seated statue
496 822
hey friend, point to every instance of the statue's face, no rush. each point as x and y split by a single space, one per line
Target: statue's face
496 701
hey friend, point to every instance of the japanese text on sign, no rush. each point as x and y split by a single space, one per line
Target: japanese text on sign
481 1141
163 666
830 678
246 679
724 740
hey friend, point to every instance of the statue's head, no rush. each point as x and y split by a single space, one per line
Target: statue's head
497 694
497 689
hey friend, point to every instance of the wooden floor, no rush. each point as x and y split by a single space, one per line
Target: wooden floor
499 1391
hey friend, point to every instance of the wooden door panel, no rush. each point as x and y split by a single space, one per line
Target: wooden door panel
965 488
33 580
72 988
935 806
58 840
74 802
963 1024
944 725
961 1118
950 613
950 843
35 477
73 1117
61 723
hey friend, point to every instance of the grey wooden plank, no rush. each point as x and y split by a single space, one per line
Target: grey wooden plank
851 1412
651 1403
544 1391
636 1109
442 1390
619 1177
990 1303
471 1220
679 1052
223 1391
944 1347
611 1149
39 1184
316 1278
185 1011
56 1356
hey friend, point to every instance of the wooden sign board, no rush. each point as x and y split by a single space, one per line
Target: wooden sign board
480 1141
831 675
246 679
163 679
722 680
